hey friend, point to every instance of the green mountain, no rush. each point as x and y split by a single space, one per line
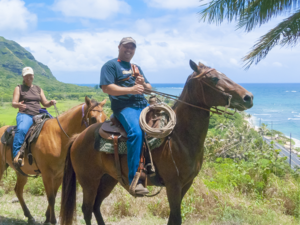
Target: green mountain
13 58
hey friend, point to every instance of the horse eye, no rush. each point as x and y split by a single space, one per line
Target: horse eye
215 80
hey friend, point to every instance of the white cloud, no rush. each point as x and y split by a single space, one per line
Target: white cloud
277 64
173 4
163 50
15 16
94 9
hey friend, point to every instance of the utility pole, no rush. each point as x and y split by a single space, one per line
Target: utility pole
260 122
271 130
291 150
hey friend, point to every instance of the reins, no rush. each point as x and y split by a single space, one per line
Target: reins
176 98
57 114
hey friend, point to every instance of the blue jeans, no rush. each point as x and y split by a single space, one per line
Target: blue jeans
24 122
129 118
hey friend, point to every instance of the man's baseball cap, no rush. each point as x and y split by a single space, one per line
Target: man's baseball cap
127 40
27 70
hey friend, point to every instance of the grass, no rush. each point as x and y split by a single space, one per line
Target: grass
216 197
8 113
226 191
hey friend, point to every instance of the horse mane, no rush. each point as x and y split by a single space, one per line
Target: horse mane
93 102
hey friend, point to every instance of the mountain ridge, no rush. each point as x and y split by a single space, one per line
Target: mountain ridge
13 58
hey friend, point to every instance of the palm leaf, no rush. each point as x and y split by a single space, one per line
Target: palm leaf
285 33
261 11
218 10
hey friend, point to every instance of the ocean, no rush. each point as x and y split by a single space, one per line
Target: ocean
277 105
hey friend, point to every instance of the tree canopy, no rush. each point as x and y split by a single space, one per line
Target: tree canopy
250 14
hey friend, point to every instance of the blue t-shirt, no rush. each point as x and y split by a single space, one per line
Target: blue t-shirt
113 72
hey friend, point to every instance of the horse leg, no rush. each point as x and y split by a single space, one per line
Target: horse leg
89 189
51 187
21 181
186 188
107 184
174 197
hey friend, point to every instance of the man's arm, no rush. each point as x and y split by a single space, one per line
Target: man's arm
115 90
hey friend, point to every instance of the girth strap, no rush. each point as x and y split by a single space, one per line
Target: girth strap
117 161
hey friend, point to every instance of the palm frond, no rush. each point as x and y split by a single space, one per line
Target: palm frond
259 12
285 33
218 10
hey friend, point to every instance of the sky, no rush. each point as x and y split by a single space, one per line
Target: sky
74 38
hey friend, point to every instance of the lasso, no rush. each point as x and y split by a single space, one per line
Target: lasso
158 132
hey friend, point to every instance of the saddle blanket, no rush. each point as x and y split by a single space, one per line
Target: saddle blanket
107 146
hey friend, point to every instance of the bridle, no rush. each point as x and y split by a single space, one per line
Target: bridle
85 119
201 76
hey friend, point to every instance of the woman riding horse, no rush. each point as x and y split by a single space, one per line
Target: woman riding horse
27 99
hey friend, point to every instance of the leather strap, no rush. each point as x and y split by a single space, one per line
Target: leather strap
117 161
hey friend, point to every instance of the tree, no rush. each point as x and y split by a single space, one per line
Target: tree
250 14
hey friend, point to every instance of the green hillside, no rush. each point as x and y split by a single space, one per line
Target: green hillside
13 58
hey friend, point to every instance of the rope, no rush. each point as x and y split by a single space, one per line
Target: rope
158 132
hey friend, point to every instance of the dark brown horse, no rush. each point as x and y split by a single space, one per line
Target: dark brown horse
96 171
50 150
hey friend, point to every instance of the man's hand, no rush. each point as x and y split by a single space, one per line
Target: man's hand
137 89
140 80
22 106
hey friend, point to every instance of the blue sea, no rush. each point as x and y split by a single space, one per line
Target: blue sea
277 105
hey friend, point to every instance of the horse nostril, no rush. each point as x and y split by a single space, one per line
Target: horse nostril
247 98
93 120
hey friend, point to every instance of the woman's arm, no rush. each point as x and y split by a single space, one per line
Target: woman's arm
15 102
45 102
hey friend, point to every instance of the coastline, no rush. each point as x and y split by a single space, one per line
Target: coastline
251 122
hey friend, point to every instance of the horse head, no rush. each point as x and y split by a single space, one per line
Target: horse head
95 113
213 88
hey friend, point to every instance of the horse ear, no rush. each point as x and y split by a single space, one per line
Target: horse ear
88 101
194 66
103 102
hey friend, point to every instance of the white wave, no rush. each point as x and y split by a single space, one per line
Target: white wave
294 112
296 115
297 142
293 118
256 114
293 91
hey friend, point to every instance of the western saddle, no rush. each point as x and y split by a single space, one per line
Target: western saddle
113 130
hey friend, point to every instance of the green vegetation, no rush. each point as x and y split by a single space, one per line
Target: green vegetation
13 58
243 181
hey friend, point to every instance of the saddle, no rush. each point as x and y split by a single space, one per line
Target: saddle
31 136
113 130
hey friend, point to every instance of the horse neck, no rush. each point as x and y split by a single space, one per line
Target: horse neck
191 128
71 120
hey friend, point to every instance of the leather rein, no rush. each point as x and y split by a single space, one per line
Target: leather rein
176 98
85 120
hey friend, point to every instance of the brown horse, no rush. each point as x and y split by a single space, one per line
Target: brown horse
96 171
50 150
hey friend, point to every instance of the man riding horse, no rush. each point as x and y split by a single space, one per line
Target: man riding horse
127 101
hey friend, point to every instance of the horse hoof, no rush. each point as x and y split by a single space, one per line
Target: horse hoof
31 220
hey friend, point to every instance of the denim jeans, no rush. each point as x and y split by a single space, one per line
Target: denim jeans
129 118
24 122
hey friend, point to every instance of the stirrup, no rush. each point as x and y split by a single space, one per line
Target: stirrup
134 184
18 161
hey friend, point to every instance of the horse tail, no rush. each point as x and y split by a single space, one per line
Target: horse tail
3 164
68 199
3 148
